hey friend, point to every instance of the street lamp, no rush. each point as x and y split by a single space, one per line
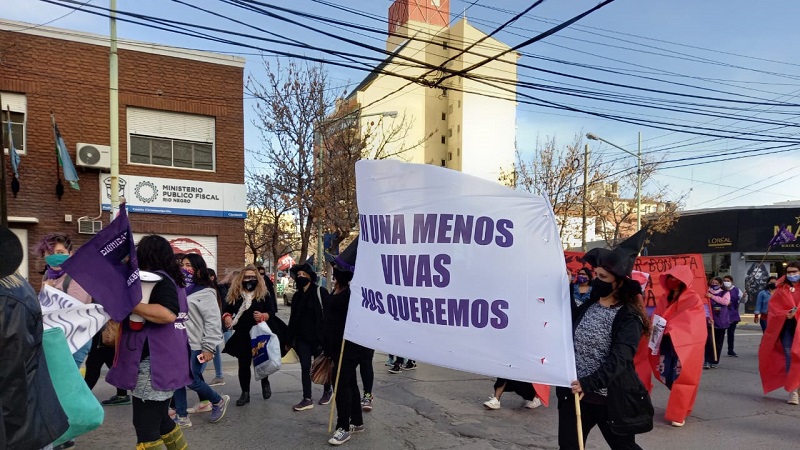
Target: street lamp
318 142
638 156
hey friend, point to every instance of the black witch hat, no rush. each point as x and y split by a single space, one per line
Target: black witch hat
620 260
346 260
11 249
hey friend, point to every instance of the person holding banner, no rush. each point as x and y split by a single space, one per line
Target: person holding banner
779 352
305 332
676 353
154 361
205 336
55 248
607 329
719 321
247 304
762 302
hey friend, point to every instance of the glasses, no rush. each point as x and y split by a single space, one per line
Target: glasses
249 278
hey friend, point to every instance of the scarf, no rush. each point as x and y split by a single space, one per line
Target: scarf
51 274
247 298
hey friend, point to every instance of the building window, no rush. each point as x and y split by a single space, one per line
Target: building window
450 108
444 45
459 103
171 153
458 128
169 139
458 151
17 103
444 139
450 132
449 156
444 116
444 163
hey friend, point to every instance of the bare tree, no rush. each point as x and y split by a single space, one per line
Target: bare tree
270 229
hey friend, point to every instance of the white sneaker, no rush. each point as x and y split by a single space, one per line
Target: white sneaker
533 404
200 407
493 403
340 436
793 398
679 424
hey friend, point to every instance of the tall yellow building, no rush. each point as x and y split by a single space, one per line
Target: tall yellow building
463 123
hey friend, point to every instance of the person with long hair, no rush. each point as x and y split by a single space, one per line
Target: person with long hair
154 361
305 333
582 288
247 304
219 377
678 358
205 335
779 352
761 311
607 329
719 319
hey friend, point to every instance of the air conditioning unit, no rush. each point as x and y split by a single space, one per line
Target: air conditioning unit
94 156
87 225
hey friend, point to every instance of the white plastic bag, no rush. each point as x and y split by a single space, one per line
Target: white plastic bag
266 351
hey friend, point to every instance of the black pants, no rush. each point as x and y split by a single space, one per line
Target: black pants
244 374
99 355
307 351
719 336
591 415
367 374
731 333
151 419
348 398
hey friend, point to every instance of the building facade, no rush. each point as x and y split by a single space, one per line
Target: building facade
461 124
181 148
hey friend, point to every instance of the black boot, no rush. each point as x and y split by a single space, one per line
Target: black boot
244 399
266 390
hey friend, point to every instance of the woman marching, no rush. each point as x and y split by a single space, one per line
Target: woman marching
348 399
154 361
248 304
678 362
719 321
779 352
607 329
762 302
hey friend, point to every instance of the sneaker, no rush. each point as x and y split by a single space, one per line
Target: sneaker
183 422
340 436
305 404
326 398
533 404
493 403
218 381
713 366
117 400
706 366
395 369
200 407
409 366
366 403
219 408
679 424
733 354
389 362
357 428
793 398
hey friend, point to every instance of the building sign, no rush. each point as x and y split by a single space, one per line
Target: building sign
205 246
180 197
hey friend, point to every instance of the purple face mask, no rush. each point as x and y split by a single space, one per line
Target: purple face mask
581 279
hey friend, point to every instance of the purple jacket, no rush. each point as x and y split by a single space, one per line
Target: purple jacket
736 296
169 352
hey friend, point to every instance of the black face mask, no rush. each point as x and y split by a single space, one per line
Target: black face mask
302 282
771 285
249 285
601 288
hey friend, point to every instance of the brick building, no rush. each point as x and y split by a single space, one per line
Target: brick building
181 149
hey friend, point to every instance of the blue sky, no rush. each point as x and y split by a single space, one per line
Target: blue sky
743 48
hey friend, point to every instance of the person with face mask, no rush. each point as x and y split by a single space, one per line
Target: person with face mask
582 288
305 333
737 296
779 352
762 303
247 304
719 320
678 358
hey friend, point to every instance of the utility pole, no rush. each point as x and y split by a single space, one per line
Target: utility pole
114 111
639 185
3 192
585 187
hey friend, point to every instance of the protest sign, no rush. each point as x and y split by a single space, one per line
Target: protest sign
79 321
657 265
460 272
107 269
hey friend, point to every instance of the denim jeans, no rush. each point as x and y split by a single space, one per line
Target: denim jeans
787 337
203 390
218 355
80 355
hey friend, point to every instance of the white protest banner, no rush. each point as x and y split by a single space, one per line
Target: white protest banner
79 321
460 272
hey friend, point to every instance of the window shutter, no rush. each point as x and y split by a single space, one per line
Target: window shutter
17 102
172 125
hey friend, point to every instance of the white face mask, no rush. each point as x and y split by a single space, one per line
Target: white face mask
727 284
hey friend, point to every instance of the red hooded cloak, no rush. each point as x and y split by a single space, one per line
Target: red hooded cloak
771 358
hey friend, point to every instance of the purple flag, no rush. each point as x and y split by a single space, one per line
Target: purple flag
783 236
106 267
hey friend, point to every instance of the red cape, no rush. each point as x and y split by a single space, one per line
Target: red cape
686 327
771 359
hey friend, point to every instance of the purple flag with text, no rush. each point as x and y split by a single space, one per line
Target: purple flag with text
783 236
106 267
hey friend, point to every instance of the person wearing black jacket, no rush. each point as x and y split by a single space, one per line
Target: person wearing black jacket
246 305
32 416
305 333
607 330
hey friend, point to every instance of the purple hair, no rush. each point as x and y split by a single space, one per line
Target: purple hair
49 241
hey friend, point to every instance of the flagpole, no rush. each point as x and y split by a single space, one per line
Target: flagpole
3 193
114 110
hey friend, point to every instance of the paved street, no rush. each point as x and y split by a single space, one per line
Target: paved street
435 408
